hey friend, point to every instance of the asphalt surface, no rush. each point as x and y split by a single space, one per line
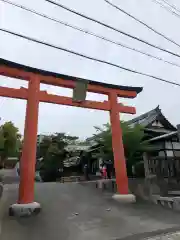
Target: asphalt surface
81 212
172 236
9 176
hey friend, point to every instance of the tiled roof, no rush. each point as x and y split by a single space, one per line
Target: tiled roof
148 118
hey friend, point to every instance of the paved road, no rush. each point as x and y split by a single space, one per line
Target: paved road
81 212
9 176
172 236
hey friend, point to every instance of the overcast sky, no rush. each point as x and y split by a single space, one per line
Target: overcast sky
78 121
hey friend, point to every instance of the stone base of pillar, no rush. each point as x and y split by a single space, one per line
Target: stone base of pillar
124 198
24 210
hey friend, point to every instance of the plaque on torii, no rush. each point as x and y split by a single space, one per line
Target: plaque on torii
80 91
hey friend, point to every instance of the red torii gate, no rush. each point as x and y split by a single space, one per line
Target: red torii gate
33 95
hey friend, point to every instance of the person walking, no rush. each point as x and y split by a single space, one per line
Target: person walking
86 172
109 166
104 172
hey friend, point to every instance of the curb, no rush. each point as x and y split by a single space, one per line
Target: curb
172 203
108 185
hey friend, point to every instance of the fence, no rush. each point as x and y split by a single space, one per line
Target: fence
167 168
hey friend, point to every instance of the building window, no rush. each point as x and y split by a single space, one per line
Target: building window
169 153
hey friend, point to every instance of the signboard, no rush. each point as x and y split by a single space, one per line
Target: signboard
80 90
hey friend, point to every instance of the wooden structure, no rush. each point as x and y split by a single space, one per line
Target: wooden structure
163 137
33 95
165 159
154 122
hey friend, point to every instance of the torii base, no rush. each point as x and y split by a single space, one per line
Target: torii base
24 210
124 198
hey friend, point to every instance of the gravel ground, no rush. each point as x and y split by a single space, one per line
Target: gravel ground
172 236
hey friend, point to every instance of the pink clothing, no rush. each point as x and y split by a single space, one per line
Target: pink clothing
104 172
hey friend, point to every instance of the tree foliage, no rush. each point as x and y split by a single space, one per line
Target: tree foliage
54 143
10 141
52 150
132 140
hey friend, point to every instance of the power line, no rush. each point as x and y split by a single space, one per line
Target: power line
141 22
167 8
113 28
90 33
87 57
171 5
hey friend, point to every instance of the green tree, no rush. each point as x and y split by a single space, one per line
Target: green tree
70 139
133 141
52 150
43 147
10 141
55 143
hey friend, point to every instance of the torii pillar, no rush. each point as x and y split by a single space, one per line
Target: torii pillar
117 145
123 194
26 205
